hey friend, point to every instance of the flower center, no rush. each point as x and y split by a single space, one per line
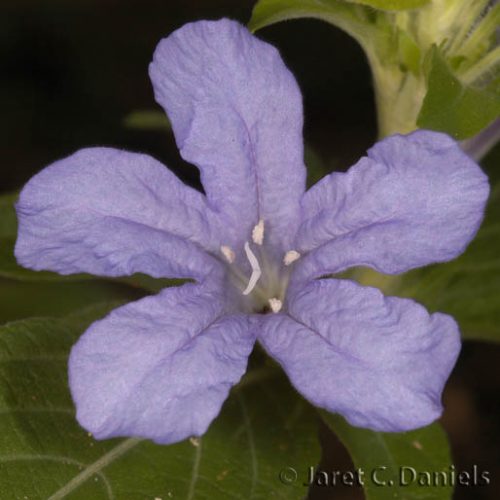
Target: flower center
264 289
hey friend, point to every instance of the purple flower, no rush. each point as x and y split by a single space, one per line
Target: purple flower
256 247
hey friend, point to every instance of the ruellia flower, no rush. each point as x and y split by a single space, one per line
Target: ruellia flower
258 250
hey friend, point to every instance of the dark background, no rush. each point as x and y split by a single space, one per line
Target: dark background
72 70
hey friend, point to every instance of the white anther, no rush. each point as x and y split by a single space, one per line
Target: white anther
256 272
258 233
291 256
194 441
228 253
276 305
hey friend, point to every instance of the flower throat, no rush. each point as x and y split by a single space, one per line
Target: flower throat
266 285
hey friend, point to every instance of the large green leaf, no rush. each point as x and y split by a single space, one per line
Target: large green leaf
263 427
349 17
398 465
453 107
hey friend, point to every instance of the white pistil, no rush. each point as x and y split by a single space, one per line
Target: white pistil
256 272
290 257
228 253
275 305
258 233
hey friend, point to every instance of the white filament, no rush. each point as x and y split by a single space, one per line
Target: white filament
256 271
258 233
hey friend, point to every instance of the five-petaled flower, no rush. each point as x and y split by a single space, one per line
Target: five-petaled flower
259 250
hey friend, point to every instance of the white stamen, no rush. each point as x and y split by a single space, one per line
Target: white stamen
228 253
194 441
258 233
256 272
276 305
291 256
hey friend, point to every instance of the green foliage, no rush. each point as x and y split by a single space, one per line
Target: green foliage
348 16
409 52
453 107
316 167
458 94
147 120
424 449
24 299
392 4
45 454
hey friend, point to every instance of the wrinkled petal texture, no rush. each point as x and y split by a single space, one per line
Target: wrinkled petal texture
113 213
236 112
415 200
381 362
161 367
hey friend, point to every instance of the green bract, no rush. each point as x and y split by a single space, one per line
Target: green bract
417 53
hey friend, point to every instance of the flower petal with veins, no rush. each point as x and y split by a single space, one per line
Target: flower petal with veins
381 362
414 200
162 367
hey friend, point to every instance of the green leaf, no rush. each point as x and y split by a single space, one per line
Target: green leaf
351 18
408 51
148 283
263 428
147 120
392 4
316 166
386 457
21 299
349 15
453 107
